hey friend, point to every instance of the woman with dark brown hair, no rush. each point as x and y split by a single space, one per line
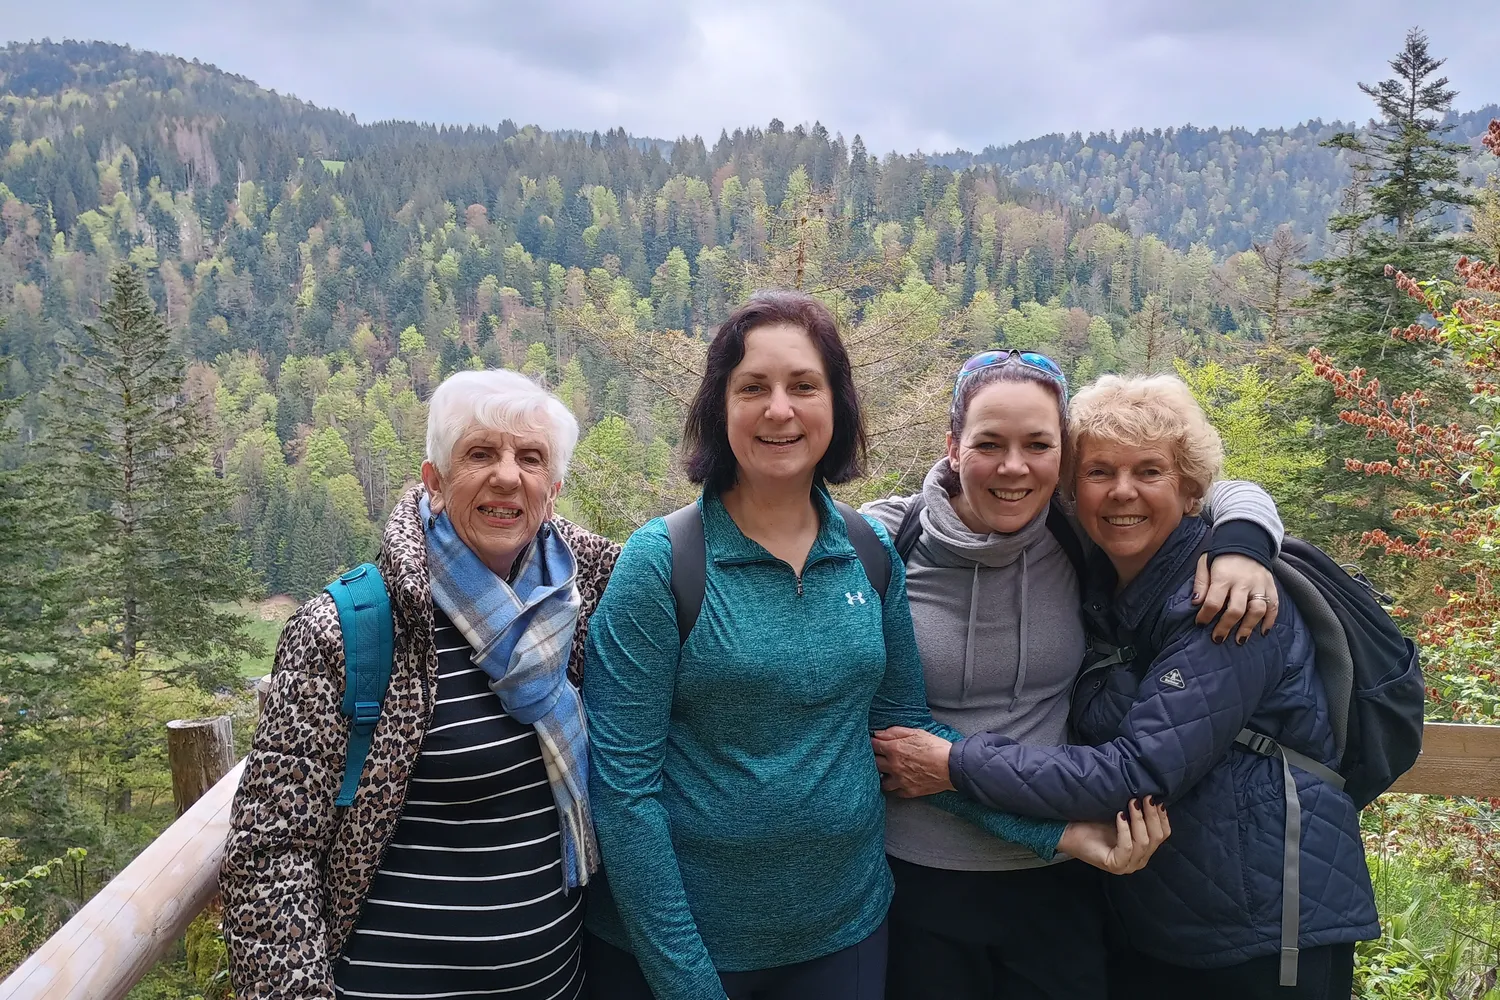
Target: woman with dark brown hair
736 800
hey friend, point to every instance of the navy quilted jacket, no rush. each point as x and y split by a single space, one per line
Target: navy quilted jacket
1164 725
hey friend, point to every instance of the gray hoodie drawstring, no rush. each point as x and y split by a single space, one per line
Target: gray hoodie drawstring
1015 692
969 641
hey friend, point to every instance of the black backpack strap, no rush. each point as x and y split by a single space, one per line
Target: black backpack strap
690 559
1067 536
867 546
910 530
689 565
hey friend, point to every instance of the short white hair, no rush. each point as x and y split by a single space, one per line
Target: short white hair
501 400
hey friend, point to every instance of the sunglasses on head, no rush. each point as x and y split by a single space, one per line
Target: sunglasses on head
1027 359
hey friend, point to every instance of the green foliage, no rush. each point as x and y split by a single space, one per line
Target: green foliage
1435 888
207 956
1265 441
328 456
1406 175
12 889
149 549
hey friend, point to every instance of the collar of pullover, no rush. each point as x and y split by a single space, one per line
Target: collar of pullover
951 543
1164 573
728 544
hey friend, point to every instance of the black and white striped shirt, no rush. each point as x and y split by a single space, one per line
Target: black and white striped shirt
469 899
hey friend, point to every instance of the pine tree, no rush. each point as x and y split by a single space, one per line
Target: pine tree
1406 178
1413 179
152 552
40 657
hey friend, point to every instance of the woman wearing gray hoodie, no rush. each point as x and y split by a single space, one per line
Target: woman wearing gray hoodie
990 562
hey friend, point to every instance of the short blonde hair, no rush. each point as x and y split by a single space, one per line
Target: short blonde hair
502 400
1147 409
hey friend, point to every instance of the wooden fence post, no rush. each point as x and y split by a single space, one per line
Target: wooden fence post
200 752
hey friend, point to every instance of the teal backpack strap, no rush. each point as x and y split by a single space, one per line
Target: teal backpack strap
369 639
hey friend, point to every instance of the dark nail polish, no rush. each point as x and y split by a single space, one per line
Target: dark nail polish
1240 640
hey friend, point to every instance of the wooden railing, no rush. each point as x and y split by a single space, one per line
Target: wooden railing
119 934
1456 760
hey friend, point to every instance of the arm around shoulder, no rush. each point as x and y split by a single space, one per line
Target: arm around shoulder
283 819
1234 500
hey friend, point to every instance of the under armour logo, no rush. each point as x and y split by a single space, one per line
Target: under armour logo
1173 678
858 597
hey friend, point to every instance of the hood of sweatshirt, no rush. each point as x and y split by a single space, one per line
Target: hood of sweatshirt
949 542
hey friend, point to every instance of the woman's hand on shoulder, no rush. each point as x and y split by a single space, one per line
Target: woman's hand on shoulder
912 762
1240 587
1123 846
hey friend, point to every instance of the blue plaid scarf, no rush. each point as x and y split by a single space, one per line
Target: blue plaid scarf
522 634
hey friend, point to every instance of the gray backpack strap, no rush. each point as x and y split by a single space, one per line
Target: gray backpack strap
1291 854
867 545
689 565
910 530
1335 662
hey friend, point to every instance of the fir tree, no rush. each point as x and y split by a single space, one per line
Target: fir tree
152 555
1396 220
1406 178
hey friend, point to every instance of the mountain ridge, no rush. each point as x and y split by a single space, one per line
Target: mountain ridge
1183 184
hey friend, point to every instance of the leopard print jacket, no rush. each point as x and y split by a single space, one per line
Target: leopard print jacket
296 868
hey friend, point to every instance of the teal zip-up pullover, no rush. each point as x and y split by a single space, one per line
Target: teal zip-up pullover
734 791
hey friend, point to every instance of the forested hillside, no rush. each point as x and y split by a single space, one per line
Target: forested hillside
1222 187
323 275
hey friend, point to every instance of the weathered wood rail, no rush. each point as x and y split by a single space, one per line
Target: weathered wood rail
119 934
1457 760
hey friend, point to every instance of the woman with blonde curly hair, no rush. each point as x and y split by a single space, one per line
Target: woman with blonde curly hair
1232 905
993 564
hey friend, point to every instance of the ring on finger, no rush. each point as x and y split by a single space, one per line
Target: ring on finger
1259 597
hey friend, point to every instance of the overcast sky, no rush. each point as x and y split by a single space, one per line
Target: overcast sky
932 74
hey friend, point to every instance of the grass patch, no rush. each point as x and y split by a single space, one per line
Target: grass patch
332 166
1440 921
263 621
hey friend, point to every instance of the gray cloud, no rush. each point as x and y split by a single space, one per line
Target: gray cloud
933 74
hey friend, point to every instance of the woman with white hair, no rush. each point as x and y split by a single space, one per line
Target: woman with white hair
457 869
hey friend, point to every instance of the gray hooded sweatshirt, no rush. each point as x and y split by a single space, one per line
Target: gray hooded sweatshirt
1001 638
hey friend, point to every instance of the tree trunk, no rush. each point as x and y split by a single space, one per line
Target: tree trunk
200 752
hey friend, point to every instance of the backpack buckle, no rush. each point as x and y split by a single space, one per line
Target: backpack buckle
1260 743
366 714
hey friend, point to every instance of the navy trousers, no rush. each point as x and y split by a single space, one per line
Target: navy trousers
855 973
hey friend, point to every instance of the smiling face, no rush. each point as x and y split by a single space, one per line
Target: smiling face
497 492
779 407
1130 498
1007 456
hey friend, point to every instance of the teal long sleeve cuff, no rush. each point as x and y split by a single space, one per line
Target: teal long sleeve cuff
1040 836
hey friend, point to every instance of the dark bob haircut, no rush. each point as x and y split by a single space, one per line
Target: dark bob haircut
706 436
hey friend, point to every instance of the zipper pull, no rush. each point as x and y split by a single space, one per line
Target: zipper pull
799 584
